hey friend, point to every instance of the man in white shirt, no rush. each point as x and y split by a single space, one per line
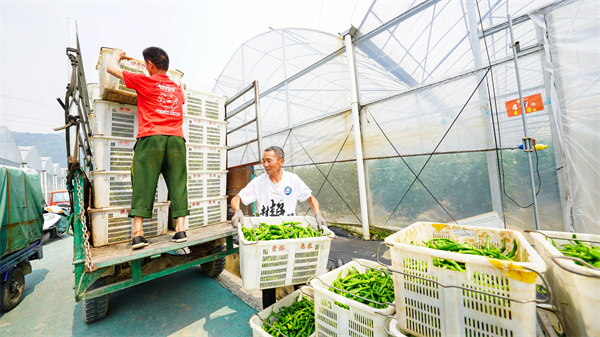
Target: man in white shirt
276 194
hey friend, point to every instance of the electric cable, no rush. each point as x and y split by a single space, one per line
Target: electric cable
411 170
498 141
438 144
336 191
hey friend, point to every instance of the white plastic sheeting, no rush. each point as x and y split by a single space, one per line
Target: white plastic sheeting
9 151
432 106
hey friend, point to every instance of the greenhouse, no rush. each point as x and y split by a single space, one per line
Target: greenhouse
415 114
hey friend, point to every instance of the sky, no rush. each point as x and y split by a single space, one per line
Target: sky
199 36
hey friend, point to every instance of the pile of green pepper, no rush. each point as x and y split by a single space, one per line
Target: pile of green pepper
287 230
295 320
488 249
374 284
580 250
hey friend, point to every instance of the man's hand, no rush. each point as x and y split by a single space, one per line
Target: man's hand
113 64
322 224
237 218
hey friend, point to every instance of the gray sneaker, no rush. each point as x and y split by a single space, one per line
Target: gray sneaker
179 237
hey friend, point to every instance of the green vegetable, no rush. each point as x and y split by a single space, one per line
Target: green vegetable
580 250
287 230
374 284
297 319
487 249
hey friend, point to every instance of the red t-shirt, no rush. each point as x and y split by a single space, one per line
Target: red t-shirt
160 104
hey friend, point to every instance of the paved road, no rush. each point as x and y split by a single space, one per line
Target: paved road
184 303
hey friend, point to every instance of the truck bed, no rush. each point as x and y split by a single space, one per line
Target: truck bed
122 252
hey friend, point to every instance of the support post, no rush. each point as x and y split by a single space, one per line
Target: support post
362 192
514 50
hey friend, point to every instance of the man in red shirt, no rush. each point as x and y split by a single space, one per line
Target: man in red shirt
160 145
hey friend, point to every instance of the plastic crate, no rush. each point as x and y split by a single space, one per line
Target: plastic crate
577 297
203 185
427 309
113 225
114 89
360 320
93 92
204 105
206 158
113 119
113 189
199 131
206 212
278 263
112 153
256 320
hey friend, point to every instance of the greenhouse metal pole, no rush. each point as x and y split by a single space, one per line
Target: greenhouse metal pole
360 168
527 144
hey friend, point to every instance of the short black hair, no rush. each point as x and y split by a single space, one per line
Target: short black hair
157 56
278 151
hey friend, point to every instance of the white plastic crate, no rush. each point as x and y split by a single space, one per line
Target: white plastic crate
112 153
278 263
206 158
255 321
114 89
113 225
426 309
203 185
113 189
577 297
199 131
205 105
206 212
113 119
360 320
93 92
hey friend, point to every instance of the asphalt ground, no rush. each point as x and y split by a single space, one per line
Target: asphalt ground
186 303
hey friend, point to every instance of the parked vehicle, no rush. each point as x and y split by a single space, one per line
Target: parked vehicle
60 198
56 222
21 206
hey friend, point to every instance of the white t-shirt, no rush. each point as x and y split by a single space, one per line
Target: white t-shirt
275 199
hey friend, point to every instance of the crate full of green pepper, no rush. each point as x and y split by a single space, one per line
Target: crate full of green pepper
282 251
355 299
575 286
293 316
470 263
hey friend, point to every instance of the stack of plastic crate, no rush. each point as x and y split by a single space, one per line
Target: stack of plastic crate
114 128
205 128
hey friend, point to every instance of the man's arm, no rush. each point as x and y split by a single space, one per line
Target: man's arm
235 203
113 64
314 204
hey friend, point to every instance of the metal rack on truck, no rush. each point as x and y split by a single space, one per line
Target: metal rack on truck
101 270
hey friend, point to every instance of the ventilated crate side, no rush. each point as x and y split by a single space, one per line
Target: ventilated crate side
200 131
276 263
113 119
427 309
205 158
206 212
112 153
113 225
205 105
359 320
114 189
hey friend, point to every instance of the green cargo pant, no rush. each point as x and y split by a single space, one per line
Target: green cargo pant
152 156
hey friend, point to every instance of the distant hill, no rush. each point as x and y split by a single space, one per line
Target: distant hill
47 145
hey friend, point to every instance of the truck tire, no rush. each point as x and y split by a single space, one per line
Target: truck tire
12 289
215 267
95 308
47 236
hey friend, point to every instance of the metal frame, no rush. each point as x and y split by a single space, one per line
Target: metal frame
254 101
